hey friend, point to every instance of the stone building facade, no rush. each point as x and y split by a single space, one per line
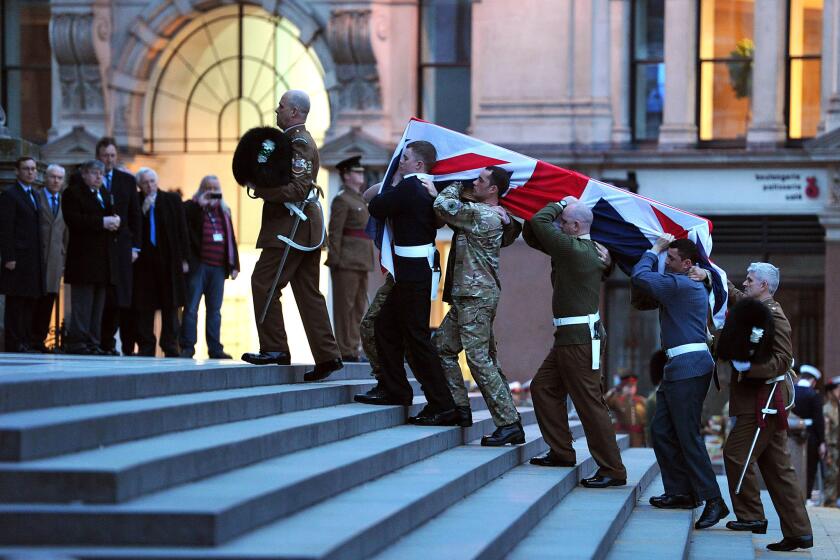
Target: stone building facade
726 108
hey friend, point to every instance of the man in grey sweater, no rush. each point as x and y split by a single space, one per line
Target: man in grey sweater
683 310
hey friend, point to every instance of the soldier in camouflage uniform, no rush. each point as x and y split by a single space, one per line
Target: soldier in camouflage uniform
475 295
831 411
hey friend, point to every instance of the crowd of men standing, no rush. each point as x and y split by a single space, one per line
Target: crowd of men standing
124 247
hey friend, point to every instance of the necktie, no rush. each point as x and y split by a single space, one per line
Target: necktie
32 198
108 181
54 204
152 232
99 197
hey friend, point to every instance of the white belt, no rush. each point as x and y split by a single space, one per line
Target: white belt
589 320
686 348
422 252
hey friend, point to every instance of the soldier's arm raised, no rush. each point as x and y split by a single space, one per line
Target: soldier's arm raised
553 240
453 211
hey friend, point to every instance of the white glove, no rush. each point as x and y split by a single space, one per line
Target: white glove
741 366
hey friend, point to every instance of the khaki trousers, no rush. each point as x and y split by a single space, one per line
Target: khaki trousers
773 459
567 371
349 303
302 272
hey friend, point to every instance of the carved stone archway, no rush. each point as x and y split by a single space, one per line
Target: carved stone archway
158 23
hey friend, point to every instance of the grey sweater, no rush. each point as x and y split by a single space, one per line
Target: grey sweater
683 310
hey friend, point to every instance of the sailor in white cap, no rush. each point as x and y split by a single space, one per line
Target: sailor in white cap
809 407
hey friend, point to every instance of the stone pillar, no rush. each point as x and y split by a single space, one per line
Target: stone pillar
767 127
597 104
4 132
621 20
830 220
830 67
679 126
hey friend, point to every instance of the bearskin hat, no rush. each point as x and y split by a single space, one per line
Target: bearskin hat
748 333
263 158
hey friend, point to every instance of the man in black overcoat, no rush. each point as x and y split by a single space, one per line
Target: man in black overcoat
159 281
20 253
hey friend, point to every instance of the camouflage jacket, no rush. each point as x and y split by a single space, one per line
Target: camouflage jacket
477 242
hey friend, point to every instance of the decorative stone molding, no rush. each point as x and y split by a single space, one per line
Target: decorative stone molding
349 39
74 37
4 132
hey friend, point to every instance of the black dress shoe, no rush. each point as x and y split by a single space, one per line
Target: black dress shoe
512 434
444 418
379 396
601 481
714 511
466 416
758 527
674 501
219 356
265 358
792 543
550 459
323 370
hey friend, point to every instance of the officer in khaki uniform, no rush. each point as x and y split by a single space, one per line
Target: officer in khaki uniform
301 268
475 294
350 257
831 410
748 394
630 409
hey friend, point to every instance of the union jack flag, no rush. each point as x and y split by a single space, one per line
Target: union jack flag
626 223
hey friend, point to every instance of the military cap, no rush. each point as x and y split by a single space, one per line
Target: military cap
832 382
263 158
748 333
353 163
807 369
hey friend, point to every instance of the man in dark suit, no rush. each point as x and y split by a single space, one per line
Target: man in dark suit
20 253
404 317
122 190
159 281
53 251
90 268
683 311
809 407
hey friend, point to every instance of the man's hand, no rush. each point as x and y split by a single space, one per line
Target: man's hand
569 199
741 366
697 273
111 223
371 192
429 186
502 214
10 265
603 254
662 243
821 450
233 274
185 266
134 255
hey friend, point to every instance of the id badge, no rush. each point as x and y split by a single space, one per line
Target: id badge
218 237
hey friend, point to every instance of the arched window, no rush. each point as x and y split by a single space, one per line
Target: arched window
223 74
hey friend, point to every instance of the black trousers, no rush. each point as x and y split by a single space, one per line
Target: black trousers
17 321
813 457
113 318
145 331
403 322
41 318
83 326
679 447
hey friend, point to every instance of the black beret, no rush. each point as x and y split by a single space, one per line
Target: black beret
263 158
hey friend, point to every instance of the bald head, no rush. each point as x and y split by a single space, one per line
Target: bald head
292 109
576 219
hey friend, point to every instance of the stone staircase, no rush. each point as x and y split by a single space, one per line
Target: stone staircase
145 458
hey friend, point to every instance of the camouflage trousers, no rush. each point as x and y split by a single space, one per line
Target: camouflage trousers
831 460
469 326
366 326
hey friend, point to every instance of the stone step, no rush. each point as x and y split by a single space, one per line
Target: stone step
658 534
587 521
720 542
70 380
218 508
33 434
489 522
130 469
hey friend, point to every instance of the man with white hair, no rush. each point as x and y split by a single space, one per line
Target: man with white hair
749 390
572 367
53 249
159 271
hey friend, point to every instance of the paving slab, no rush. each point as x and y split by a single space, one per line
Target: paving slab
718 542
586 522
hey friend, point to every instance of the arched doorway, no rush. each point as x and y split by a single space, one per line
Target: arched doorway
220 75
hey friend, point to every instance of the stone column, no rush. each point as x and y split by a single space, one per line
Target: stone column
830 220
830 67
4 132
767 127
679 126
621 19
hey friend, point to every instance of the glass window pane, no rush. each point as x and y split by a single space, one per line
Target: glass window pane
445 31
649 98
804 113
446 96
726 28
649 29
806 27
725 99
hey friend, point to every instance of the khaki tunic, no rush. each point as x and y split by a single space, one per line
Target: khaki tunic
349 212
